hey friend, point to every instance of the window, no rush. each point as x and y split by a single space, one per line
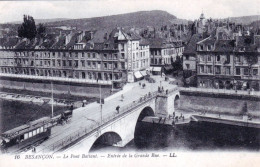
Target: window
41 129
187 66
59 64
218 57
201 47
83 75
202 69
83 63
255 71
30 134
201 57
94 55
122 56
88 55
38 130
26 136
218 70
237 71
187 57
209 69
209 57
227 70
246 71
105 65
70 63
34 132
123 65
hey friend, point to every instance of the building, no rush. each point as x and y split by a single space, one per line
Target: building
103 57
227 63
189 60
163 53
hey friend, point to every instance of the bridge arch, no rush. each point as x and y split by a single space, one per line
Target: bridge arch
139 129
106 139
146 111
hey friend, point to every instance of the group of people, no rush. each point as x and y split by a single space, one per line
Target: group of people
142 85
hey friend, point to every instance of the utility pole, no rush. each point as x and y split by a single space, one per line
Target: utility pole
100 104
52 99
112 76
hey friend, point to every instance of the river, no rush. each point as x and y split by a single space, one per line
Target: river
149 137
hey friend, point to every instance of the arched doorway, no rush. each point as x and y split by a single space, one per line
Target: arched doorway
106 140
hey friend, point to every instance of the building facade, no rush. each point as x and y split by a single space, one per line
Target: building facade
164 53
226 63
94 57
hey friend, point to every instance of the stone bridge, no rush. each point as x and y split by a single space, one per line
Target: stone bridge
120 129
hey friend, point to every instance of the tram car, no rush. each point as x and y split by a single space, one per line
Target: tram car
26 135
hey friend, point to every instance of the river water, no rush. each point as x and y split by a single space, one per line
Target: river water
148 137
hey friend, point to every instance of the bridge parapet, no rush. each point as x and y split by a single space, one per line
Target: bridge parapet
75 136
96 128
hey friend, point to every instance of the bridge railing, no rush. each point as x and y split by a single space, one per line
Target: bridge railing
224 91
73 137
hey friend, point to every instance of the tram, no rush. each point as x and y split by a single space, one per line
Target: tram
32 133
26 135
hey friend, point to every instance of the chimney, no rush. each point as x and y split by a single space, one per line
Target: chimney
91 34
68 38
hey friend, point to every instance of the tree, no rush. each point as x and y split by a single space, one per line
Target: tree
28 28
244 109
41 30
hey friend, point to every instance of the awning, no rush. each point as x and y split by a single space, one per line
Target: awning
157 69
138 74
143 73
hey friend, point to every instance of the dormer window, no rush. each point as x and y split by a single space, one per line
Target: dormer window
106 45
209 47
201 47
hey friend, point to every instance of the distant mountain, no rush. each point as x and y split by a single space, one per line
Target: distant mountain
136 19
245 19
37 21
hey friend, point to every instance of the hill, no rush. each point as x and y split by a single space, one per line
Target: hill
37 21
136 19
245 19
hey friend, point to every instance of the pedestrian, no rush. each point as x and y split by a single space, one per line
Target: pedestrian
122 97
117 109
140 84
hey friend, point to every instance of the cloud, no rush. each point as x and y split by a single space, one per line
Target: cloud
186 9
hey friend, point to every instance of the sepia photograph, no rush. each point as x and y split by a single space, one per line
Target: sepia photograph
130 82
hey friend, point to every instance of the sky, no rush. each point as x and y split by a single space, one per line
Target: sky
184 9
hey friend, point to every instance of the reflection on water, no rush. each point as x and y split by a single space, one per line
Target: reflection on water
195 136
192 137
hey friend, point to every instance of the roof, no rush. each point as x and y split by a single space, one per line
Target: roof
246 43
225 45
191 47
23 128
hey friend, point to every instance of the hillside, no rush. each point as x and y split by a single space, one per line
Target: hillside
37 21
245 19
136 19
